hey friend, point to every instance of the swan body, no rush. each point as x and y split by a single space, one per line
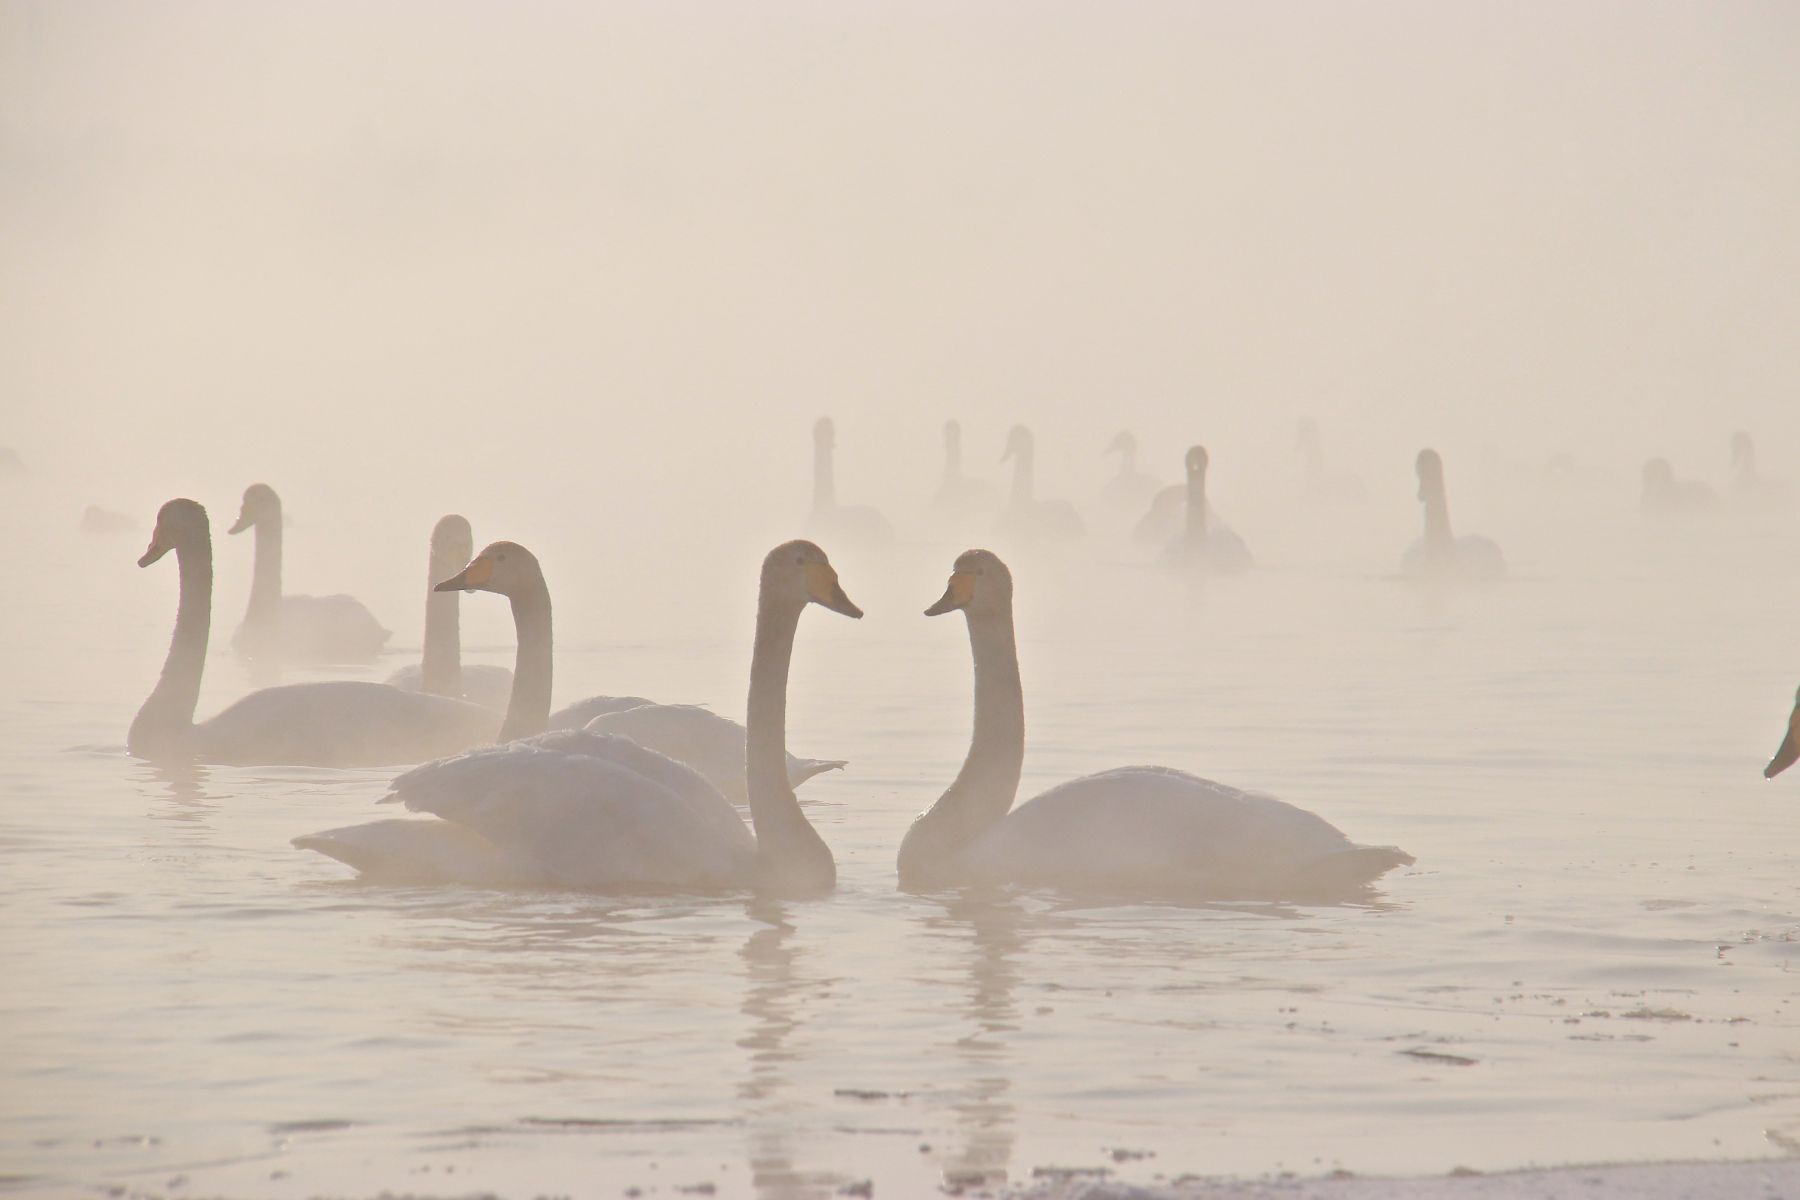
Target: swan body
1132 830
711 744
1666 496
1206 544
1789 751
960 495
1441 554
581 808
1025 517
295 628
333 724
440 670
851 522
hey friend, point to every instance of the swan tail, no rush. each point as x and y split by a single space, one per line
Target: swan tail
1354 868
401 850
804 769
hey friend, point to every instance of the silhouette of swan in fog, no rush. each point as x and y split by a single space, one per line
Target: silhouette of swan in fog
440 670
1789 750
336 724
1440 553
703 740
578 808
1206 543
295 628
960 495
1666 496
1747 483
1025 517
1321 483
1130 489
851 522
1130 830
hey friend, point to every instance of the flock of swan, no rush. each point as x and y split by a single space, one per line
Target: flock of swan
623 793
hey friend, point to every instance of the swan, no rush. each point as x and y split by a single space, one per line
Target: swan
295 628
711 744
1206 543
1320 483
1132 830
1025 517
1440 553
1789 751
337 724
1666 496
959 494
577 808
440 670
852 522
1748 483
1128 491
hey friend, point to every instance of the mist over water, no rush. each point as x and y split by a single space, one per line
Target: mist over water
588 276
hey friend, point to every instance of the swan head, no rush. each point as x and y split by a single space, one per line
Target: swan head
824 433
1124 442
952 432
1789 751
452 541
1659 476
1430 466
505 568
177 523
979 584
260 504
1196 462
1018 442
798 573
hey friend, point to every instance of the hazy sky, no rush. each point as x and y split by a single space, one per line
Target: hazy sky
478 254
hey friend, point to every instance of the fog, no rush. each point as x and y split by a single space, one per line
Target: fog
588 274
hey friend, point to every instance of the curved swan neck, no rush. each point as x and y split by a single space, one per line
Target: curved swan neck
984 789
167 716
528 709
824 485
265 583
790 854
440 667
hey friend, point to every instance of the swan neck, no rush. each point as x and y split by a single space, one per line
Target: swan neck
790 855
1023 486
265 582
1437 517
167 716
1196 507
952 459
824 485
528 709
440 667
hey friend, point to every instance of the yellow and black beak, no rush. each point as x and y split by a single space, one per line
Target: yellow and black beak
471 578
153 552
957 595
823 588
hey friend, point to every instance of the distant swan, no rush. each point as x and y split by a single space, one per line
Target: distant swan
1441 553
1666 496
960 495
1205 543
852 522
1789 750
440 670
1747 483
593 810
1130 830
1320 484
1130 489
709 743
337 724
1025 517
295 628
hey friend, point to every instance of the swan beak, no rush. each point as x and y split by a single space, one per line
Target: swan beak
155 551
823 588
1786 756
957 595
242 523
471 578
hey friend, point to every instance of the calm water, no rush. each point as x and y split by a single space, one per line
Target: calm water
1594 959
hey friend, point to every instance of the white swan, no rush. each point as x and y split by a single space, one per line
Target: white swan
440 670
1789 751
1130 489
1748 484
960 495
1131 830
337 724
852 522
1666 496
1440 553
1205 543
709 743
295 628
592 810
1025 517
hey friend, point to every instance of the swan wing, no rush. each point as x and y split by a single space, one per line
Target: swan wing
713 745
341 723
488 686
578 714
